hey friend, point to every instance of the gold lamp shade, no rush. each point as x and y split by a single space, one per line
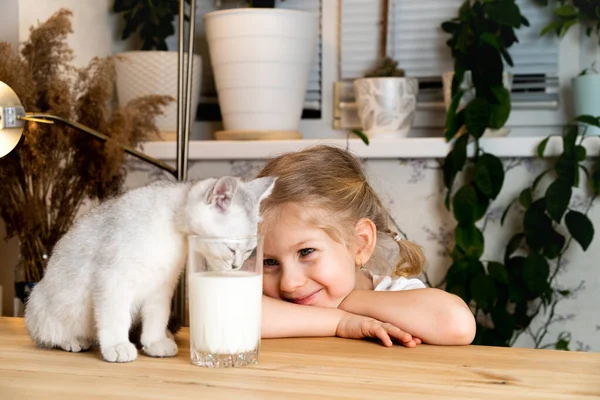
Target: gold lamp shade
9 137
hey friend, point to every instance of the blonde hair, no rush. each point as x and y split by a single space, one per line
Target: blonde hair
329 181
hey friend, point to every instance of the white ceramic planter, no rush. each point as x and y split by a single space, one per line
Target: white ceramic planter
386 106
467 86
586 98
141 73
261 61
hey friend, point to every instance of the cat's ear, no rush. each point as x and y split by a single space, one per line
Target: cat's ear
222 193
261 187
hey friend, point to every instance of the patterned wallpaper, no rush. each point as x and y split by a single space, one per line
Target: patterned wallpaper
413 193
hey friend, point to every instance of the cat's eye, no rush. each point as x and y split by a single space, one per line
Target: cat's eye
305 252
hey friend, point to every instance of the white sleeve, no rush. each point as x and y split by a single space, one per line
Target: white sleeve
388 284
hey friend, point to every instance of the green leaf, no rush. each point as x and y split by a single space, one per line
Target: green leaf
454 121
459 156
553 26
489 175
483 291
566 26
489 38
595 181
498 272
554 243
500 111
470 239
541 147
536 224
588 119
503 322
465 204
504 13
526 198
477 116
580 227
580 153
361 135
566 169
513 244
469 204
449 27
566 11
557 198
569 139
564 339
535 273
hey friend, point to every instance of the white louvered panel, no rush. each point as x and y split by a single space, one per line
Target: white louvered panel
415 38
534 54
313 91
360 36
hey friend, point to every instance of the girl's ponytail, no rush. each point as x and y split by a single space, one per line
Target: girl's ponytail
411 260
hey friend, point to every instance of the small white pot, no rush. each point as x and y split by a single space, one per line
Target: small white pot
141 73
386 106
586 98
468 87
261 61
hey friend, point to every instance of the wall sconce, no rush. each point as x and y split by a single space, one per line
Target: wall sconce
13 118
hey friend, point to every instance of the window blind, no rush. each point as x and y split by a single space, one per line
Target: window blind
208 90
415 39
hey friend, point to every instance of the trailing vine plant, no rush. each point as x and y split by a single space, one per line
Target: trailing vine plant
525 283
480 37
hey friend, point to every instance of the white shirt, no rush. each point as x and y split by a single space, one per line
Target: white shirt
388 284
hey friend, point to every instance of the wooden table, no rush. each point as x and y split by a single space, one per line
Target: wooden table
300 369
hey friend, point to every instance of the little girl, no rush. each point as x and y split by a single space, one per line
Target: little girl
323 225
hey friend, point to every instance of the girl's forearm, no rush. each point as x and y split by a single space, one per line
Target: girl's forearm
432 315
283 319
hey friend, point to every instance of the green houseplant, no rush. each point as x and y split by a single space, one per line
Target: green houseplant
153 68
586 86
480 37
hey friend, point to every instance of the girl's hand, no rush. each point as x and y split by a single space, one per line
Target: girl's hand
354 326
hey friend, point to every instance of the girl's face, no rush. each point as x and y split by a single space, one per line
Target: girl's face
303 264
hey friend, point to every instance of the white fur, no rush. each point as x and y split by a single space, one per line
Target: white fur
122 261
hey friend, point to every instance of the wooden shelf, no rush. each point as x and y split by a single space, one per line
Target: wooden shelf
377 149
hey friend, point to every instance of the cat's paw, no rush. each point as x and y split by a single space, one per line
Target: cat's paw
122 352
163 348
76 345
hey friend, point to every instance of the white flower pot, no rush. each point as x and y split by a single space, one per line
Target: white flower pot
386 106
261 60
141 73
586 98
468 87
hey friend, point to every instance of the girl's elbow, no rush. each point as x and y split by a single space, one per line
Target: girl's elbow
465 327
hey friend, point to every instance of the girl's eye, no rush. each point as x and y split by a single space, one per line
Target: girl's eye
305 252
270 262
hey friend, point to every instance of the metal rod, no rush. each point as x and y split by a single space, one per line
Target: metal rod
188 92
104 138
180 90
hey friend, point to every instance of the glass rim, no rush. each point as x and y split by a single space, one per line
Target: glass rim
224 238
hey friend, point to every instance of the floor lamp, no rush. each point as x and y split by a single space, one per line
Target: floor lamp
13 118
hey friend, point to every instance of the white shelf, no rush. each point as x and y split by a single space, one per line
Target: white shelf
377 149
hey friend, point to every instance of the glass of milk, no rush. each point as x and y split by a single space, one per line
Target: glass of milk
224 280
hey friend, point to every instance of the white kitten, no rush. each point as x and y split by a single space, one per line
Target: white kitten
122 261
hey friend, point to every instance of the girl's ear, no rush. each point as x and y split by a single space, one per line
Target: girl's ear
366 232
